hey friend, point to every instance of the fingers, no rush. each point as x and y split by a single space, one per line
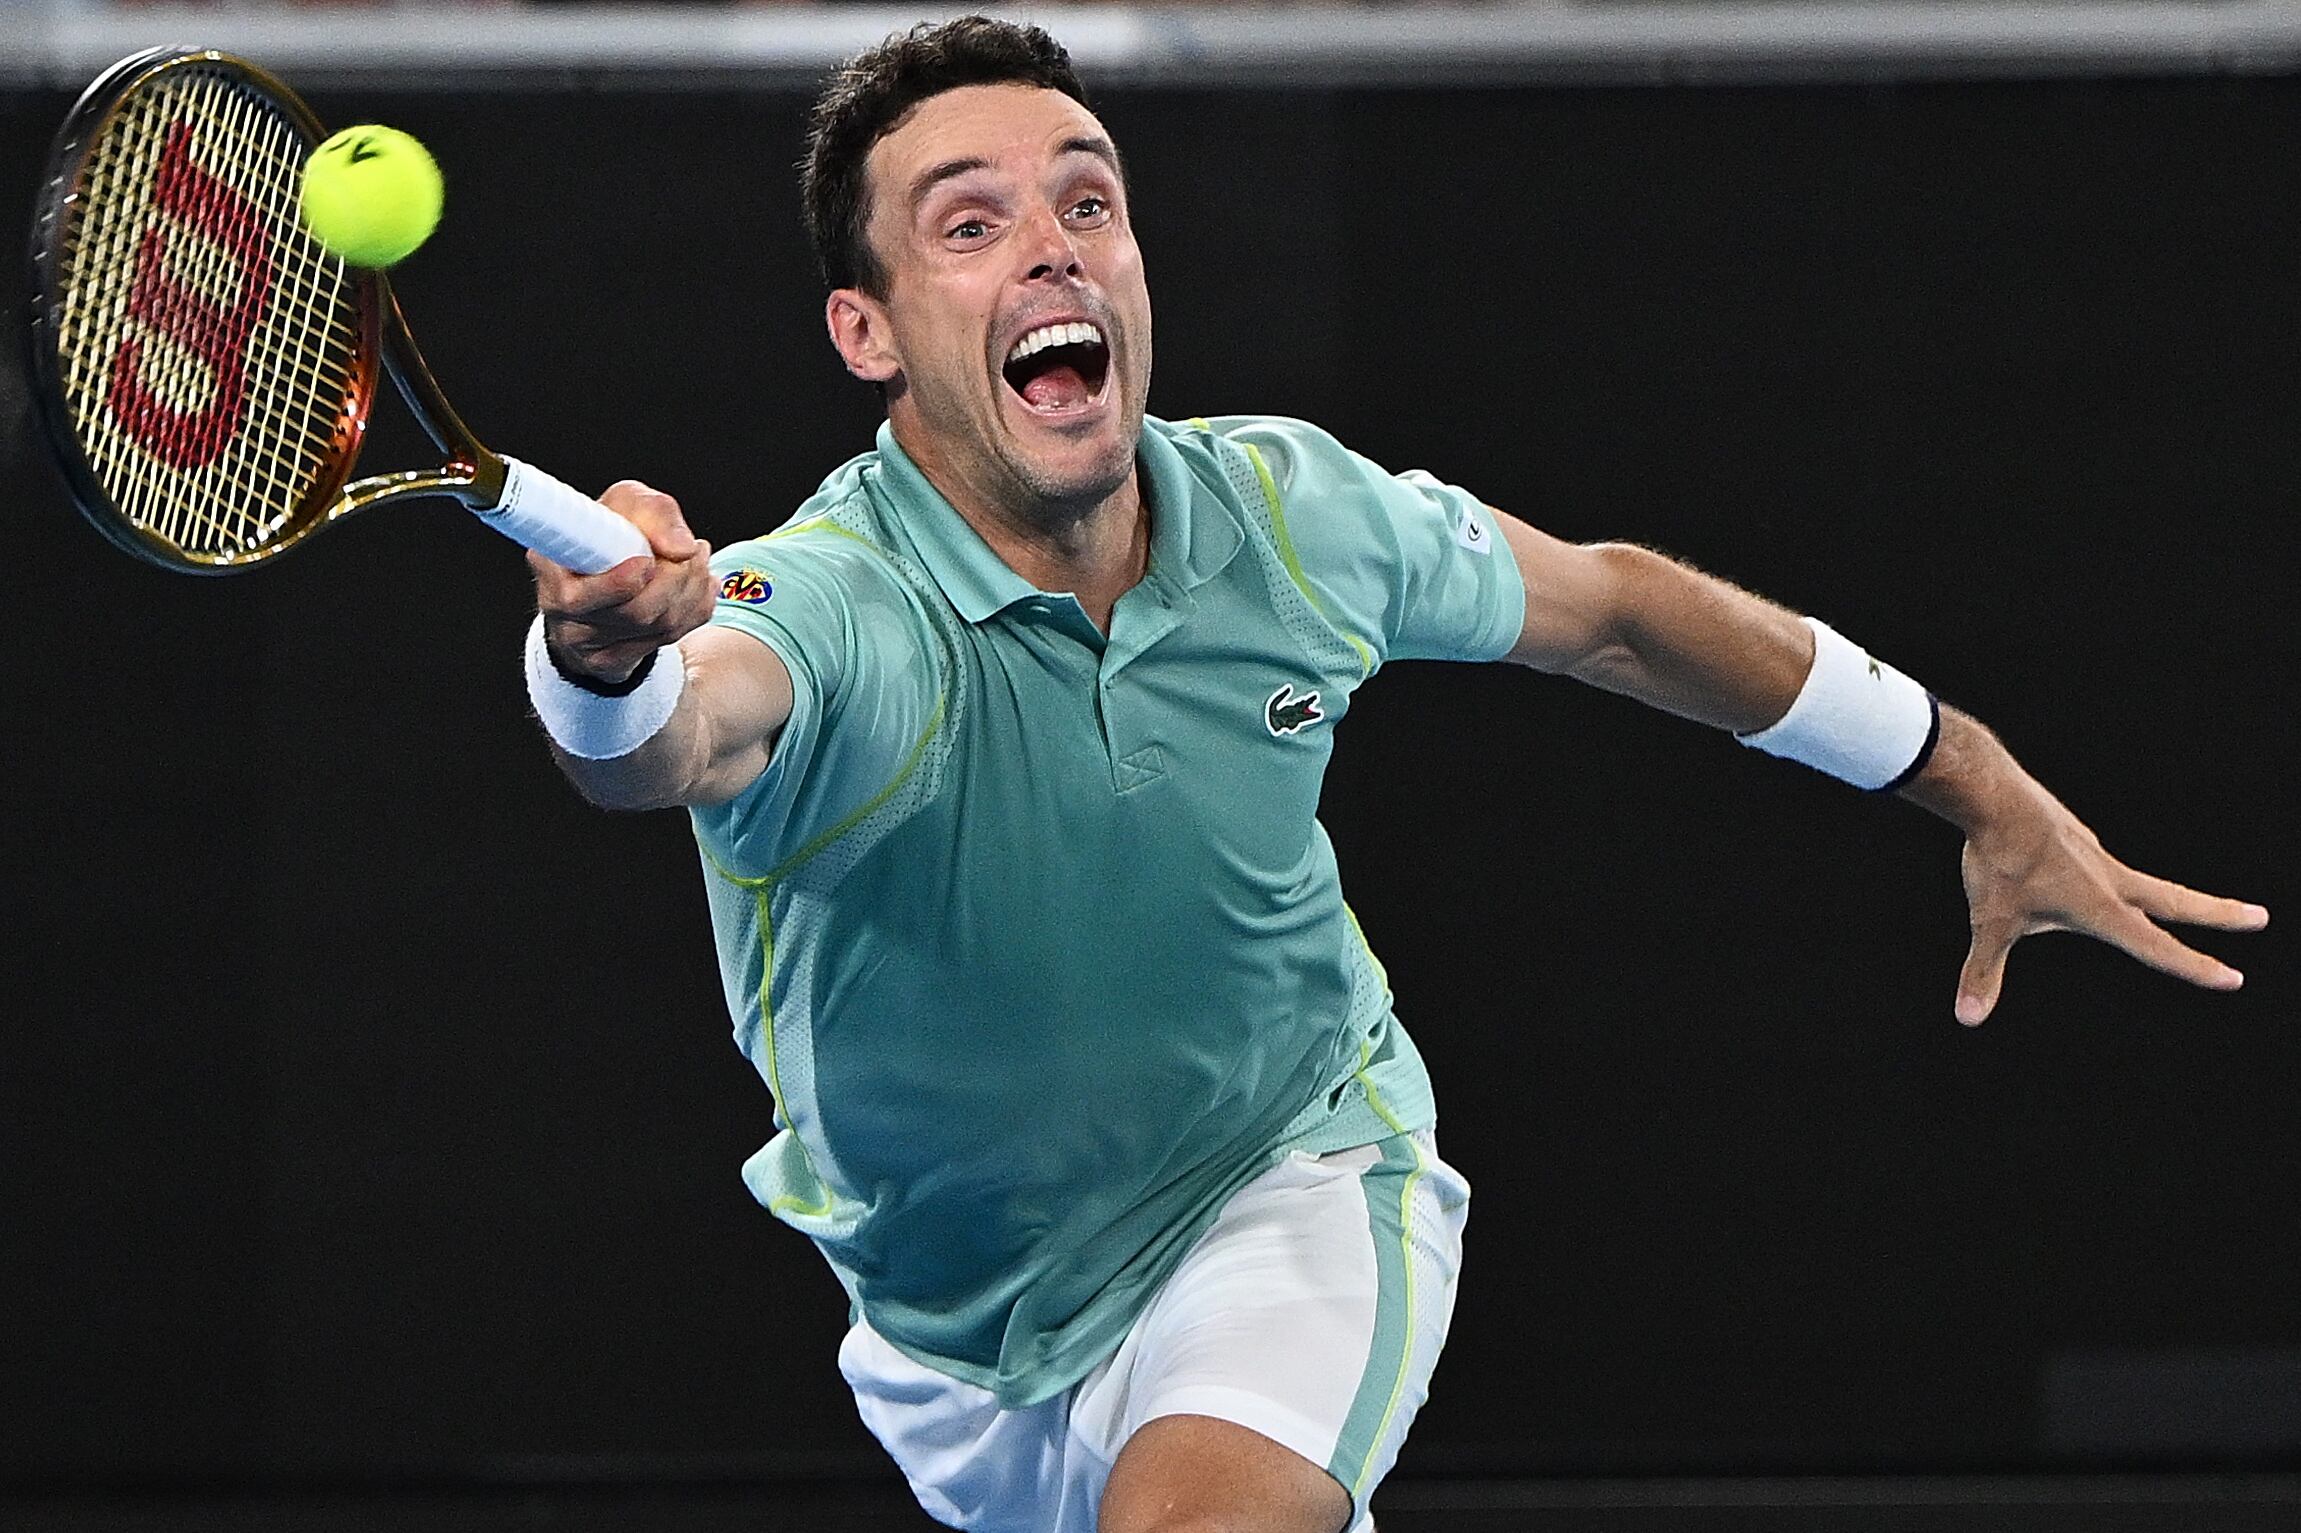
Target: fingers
1983 976
561 591
2169 901
2130 928
2160 949
654 513
657 516
606 624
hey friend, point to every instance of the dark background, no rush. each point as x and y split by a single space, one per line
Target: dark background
368 1106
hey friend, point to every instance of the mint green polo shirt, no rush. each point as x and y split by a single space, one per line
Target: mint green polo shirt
1034 933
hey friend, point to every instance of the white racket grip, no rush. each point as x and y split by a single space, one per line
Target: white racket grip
560 522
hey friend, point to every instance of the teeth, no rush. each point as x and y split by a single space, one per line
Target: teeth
1054 335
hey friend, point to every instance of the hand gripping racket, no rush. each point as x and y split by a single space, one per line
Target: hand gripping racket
205 367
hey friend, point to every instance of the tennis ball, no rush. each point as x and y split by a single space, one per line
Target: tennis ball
371 194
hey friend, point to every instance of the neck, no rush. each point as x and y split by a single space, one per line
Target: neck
1096 550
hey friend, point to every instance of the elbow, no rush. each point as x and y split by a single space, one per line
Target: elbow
1637 579
1616 632
618 784
624 803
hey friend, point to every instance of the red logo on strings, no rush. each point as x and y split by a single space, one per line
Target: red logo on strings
215 333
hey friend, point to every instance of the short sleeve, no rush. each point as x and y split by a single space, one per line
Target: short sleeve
1405 562
865 687
786 594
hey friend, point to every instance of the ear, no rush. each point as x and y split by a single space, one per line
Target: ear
863 333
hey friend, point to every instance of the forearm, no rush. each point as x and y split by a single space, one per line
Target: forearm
734 697
1693 645
1635 622
1972 780
661 771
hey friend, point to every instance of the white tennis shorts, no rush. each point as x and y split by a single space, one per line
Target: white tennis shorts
1311 1311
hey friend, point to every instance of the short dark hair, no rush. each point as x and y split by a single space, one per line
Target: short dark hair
869 98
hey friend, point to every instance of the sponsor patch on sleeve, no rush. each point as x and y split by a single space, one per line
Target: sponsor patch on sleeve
747 586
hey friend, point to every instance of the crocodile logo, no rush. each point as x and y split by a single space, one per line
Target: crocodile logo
1286 714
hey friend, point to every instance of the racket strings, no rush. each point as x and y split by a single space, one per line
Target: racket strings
142 277
292 425
305 396
209 346
278 460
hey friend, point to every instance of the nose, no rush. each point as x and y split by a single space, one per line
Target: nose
1048 244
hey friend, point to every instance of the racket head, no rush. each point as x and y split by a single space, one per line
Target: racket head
204 367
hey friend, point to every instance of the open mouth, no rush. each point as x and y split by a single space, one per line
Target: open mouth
1059 368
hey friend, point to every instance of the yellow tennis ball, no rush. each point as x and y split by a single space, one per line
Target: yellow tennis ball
372 194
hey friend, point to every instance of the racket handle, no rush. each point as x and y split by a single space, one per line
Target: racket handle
560 522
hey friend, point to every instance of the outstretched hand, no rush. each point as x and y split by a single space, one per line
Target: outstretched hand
2032 866
2047 872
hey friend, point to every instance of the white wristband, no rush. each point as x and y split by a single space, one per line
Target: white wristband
1857 719
599 728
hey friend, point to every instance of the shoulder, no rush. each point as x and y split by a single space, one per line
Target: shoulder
1315 497
824 589
832 548
1401 561
1293 453
806 550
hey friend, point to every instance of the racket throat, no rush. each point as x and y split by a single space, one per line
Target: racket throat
457 481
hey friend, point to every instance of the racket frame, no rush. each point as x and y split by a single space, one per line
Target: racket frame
472 475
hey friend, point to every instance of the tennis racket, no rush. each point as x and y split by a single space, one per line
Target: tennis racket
205 367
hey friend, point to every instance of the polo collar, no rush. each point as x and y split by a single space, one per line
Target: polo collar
1193 534
1192 547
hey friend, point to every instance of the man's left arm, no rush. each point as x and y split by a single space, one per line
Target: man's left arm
1632 621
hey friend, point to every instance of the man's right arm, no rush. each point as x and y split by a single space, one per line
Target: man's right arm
736 695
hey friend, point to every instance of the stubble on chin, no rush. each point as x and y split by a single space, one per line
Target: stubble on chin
1054 503
1003 472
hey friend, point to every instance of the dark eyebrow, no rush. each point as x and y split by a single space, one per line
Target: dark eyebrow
935 175
1101 148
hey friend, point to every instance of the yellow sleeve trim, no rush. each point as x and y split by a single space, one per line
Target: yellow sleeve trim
763 888
1293 564
786 1203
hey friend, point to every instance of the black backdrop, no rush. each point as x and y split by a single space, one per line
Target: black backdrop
368 1104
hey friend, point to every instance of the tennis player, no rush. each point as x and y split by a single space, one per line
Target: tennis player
1004 755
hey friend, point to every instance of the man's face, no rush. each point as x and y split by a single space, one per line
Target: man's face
1015 335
